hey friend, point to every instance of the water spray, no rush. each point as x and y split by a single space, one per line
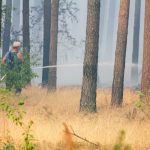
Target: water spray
3 77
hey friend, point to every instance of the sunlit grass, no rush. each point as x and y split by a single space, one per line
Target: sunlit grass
50 111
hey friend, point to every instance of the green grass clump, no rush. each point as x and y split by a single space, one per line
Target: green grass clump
120 145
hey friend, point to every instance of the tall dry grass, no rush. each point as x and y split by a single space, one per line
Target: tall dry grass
50 110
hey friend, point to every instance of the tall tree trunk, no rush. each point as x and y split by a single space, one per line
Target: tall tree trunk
136 37
89 85
16 20
145 84
7 27
47 26
26 29
120 55
52 81
0 20
111 28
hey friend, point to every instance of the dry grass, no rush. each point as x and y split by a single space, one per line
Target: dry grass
68 138
49 111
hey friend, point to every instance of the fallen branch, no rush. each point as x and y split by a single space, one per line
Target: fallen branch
84 139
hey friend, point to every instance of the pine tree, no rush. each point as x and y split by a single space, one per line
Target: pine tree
26 29
7 27
52 78
120 55
136 37
145 83
46 47
89 85
0 20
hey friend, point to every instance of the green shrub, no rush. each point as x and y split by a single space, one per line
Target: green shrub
142 104
120 142
8 146
19 76
28 138
120 145
15 113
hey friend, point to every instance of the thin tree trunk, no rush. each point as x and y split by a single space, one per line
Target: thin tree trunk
16 19
26 31
89 85
111 27
145 83
47 26
7 27
120 55
0 20
136 37
52 81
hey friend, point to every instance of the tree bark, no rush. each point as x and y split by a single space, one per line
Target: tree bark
26 30
46 48
52 81
0 20
89 84
7 27
145 83
136 37
120 55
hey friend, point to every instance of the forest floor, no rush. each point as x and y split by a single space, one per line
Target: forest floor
50 111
